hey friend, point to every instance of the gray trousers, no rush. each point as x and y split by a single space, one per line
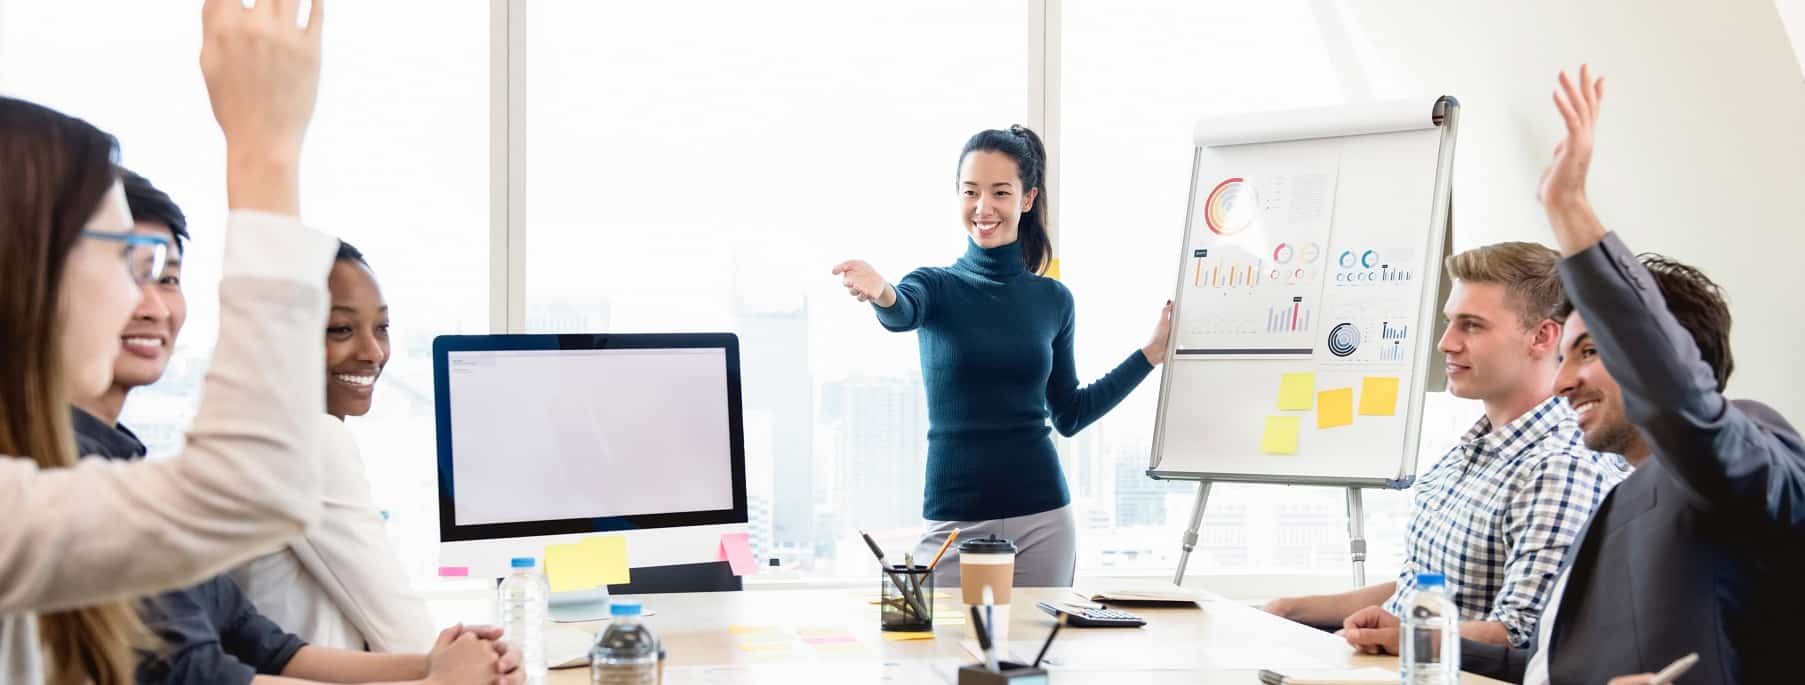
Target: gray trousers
1046 547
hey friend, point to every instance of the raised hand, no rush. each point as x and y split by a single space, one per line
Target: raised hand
263 78
1564 181
1562 190
864 283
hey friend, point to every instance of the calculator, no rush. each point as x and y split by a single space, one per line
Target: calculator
1093 618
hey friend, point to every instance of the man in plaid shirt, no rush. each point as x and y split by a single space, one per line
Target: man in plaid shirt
1498 513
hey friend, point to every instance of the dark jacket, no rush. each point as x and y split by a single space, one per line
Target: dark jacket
1702 548
208 633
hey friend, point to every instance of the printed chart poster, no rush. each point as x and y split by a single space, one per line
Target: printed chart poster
1258 257
1371 306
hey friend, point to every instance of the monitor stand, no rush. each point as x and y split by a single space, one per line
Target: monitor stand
576 606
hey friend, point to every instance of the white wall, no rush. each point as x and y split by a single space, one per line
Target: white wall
1701 151
1792 14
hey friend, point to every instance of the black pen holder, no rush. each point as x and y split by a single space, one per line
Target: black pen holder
1010 672
908 607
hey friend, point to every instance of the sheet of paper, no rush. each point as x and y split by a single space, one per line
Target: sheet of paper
1295 390
1379 396
1335 408
1280 436
736 550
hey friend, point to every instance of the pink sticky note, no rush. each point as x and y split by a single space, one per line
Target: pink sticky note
454 571
736 550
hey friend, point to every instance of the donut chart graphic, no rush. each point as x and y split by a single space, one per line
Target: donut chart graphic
1230 207
1344 339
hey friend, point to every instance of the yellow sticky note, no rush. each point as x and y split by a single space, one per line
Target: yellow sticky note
588 564
1379 396
905 637
1295 390
1281 435
1335 408
1053 269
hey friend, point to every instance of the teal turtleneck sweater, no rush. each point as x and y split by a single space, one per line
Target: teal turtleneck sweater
996 360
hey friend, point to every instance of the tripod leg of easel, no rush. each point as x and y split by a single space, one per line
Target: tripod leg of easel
1190 540
1356 533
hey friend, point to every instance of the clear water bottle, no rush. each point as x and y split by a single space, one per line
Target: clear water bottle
626 653
522 609
1430 643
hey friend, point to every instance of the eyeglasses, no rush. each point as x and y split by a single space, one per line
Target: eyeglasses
144 254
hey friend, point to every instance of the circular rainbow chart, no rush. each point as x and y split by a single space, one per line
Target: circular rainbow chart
1230 207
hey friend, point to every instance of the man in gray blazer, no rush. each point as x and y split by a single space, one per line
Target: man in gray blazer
1702 549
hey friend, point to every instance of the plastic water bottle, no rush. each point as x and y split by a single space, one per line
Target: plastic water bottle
626 653
522 609
1430 643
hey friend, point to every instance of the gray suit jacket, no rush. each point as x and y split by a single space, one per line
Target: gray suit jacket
1702 548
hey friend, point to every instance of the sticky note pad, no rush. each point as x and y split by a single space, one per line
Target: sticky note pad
1053 269
1335 408
585 565
1379 396
906 637
1280 436
1295 390
736 550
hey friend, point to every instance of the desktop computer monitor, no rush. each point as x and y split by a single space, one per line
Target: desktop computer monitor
547 439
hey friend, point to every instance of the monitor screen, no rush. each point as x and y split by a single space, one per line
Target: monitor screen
580 433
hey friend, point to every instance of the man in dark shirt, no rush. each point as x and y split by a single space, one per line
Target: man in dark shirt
209 632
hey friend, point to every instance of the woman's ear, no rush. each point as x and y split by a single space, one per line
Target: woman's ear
1028 199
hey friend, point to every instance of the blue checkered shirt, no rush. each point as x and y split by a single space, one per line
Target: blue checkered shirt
1498 513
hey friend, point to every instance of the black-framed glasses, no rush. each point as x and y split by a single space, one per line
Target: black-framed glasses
144 254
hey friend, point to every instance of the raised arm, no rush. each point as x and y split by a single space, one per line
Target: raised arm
1714 447
248 476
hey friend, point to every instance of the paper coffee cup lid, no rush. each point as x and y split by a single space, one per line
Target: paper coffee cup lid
990 544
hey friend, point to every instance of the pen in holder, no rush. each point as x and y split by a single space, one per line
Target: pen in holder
907 599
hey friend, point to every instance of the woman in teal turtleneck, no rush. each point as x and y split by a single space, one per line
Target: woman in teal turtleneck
996 360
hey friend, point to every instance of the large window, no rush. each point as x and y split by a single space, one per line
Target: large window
701 167
396 162
693 171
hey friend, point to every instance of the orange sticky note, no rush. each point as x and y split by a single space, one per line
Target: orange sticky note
1280 436
1335 408
1379 396
1295 390
736 550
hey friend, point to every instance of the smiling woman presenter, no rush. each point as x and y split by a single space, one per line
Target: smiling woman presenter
996 359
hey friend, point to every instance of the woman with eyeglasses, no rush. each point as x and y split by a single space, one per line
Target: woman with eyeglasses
79 540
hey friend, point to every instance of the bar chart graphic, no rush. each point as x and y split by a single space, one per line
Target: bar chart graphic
1224 273
1292 317
1392 352
1390 332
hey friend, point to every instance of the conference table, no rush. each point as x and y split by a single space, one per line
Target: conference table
832 635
